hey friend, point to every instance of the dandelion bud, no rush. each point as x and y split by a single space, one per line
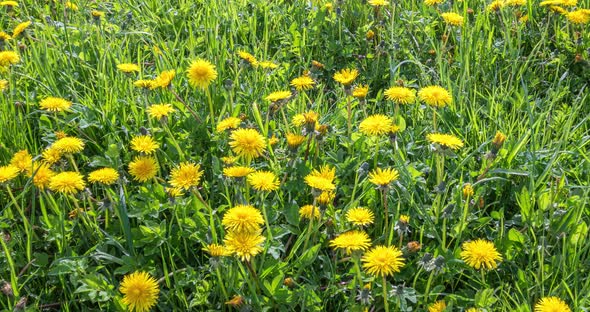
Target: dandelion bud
414 246
370 34
289 282
497 142
467 190
236 301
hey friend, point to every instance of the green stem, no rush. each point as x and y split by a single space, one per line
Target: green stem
384 286
268 229
386 209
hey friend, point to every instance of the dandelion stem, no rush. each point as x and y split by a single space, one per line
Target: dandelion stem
386 209
384 286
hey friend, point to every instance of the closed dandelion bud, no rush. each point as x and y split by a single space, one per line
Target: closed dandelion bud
236 301
469 11
317 65
289 282
497 142
431 52
414 246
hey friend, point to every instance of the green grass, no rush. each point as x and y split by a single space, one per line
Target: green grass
527 80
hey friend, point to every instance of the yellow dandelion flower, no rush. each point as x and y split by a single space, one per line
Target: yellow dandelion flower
68 182
71 6
251 59
9 3
566 3
143 168
51 155
3 84
438 306
22 160
278 96
435 96
404 219
8 173
263 181
55 104
229 160
245 245
140 291
145 84
163 80
480 254
298 120
128 67
105 176
159 111
346 76
516 2
498 140
4 36
186 175
558 10
452 18
579 17
322 179
400 95
551 304
307 211
378 3
215 250
228 123
294 140
237 171
352 241
376 125
326 198
268 65
8 58
468 190
445 140
382 177
242 218
20 28
68 145
273 140
201 73
360 91
247 143
495 5
302 83
310 117
433 2
174 191
383 260
360 216
41 174
144 144
60 134
97 14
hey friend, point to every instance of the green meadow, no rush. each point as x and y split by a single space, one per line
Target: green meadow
290 155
